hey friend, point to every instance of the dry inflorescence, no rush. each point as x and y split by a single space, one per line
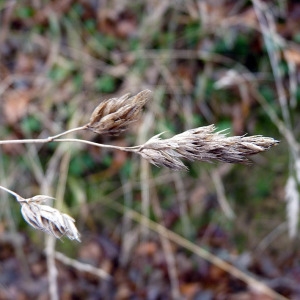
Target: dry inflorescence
112 117
47 218
202 144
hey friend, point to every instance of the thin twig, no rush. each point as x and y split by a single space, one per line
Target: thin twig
144 173
81 266
182 203
224 204
51 268
5 209
168 250
270 238
273 49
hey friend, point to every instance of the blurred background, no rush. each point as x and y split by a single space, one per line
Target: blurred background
234 64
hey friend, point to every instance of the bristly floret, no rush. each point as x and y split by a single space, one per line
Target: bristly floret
203 144
113 116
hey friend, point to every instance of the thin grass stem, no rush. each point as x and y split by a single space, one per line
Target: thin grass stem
66 132
42 141
11 192
56 139
127 149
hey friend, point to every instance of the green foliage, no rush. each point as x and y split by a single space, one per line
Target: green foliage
105 84
90 26
126 169
59 73
77 79
31 124
268 93
192 34
106 42
296 37
78 8
80 164
25 12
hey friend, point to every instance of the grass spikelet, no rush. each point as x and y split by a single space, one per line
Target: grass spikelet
203 144
113 116
47 218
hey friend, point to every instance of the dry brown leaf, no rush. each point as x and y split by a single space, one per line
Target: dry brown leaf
91 252
292 55
25 63
147 249
189 290
15 104
246 19
121 24
13 149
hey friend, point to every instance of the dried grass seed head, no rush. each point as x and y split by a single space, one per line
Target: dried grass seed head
48 219
113 116
203 144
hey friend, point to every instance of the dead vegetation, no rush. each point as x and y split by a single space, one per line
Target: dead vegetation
147 232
